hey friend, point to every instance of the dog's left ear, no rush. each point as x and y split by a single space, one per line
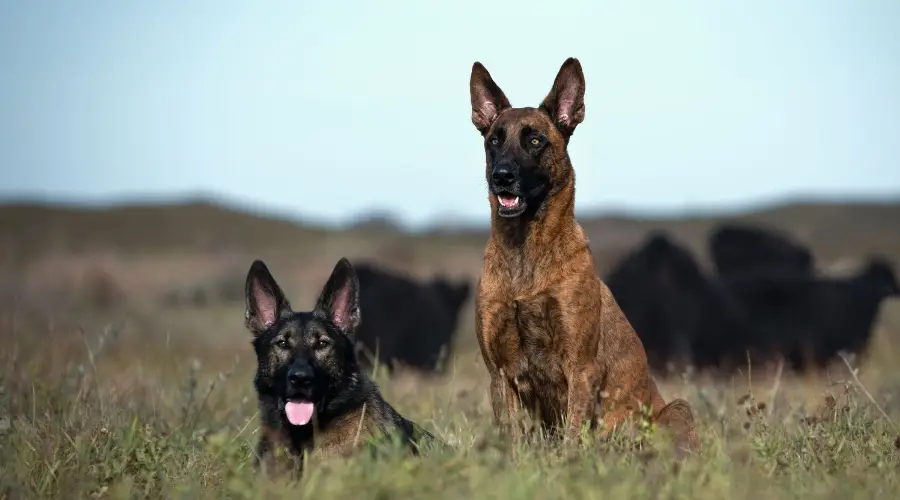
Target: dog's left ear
565 102
339 300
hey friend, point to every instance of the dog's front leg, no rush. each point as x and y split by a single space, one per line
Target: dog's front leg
577 405
266 459
490 325
498 400
273 459
504 403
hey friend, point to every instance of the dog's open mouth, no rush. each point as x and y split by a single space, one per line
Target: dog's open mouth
510 205
299 412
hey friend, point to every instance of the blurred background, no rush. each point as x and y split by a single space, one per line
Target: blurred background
151 150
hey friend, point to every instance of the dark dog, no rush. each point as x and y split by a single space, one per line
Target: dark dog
422 335
551 334
312 395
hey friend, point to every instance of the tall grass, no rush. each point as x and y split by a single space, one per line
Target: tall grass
119 414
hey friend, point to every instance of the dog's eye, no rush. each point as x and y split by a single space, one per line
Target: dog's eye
535 141
322 343
495 142
282 343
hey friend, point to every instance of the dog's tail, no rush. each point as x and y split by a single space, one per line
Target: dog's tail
679 419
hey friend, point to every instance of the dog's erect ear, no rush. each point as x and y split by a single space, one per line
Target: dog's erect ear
565 102
265 300
487 98
339 300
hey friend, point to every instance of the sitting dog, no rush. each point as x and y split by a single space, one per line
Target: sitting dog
552 336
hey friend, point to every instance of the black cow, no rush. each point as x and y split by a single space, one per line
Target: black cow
407 321
807 319
669 301
736 248
771 307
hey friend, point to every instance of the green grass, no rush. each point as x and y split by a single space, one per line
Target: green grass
132 415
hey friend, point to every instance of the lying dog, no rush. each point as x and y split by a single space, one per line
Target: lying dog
312 394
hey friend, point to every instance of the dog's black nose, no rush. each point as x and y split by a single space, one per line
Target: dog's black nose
299 375
503 176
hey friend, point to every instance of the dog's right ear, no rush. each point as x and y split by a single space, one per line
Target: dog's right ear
265 300
487 98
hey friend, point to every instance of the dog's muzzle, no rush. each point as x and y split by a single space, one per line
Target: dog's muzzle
299 380
504 177
506 186
299 406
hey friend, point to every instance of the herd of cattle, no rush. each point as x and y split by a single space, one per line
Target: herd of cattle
763 302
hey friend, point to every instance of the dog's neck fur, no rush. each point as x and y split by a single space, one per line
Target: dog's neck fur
527 244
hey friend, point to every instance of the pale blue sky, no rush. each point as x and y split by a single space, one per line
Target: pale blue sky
328 109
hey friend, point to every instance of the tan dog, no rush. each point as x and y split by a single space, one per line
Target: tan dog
551 334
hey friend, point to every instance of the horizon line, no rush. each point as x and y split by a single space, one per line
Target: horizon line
236 203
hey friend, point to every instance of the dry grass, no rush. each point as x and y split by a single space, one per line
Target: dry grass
125 411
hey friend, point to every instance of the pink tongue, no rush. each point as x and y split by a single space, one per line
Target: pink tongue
299 413
508 201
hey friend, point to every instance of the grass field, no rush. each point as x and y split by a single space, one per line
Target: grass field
132 400
123 418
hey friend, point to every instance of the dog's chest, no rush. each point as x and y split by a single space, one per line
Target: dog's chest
341 437
529 345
